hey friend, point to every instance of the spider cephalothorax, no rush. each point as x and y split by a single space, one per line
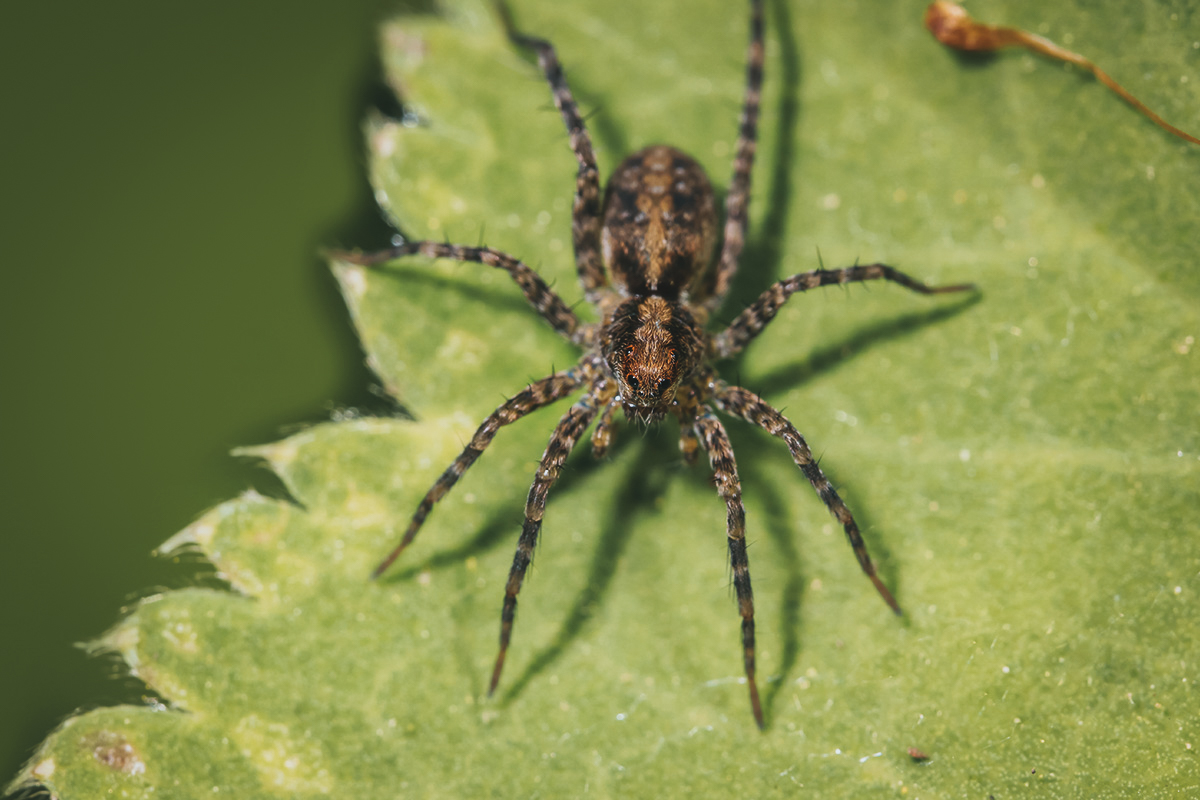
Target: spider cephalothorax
651 345
643 252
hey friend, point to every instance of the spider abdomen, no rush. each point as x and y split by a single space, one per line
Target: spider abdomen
660 223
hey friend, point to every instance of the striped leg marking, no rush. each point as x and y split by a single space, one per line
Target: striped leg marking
750 322
736 400
569 429
586 212
544 299
535 396
720 456
737 201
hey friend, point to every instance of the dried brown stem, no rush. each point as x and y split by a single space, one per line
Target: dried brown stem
951 25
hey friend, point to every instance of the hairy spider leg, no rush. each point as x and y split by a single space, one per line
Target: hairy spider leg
602 434
534 396
750 322
689 444
749 406
569 429
737 200
544 299
586 212
724 467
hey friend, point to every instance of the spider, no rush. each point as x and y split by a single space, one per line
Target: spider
643 251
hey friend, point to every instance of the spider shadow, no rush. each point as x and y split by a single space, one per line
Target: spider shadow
505 523
605 130
645 482
757 452
756 460
502 295
872 335
490 535
781 531
608 136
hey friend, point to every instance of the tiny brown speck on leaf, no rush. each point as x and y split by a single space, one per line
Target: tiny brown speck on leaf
917 755
114 751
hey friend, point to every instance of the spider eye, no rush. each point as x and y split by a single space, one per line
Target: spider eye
630 351
632 381
663 383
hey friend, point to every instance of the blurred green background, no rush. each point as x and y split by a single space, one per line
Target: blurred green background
167 171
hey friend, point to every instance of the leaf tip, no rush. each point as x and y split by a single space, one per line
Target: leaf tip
197 536
351 277
121 640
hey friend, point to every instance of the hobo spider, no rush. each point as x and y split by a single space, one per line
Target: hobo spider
643 248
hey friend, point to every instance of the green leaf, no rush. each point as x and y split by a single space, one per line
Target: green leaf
1026 466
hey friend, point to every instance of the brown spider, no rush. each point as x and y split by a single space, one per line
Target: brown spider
643 249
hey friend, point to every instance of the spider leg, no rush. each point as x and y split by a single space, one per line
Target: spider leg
738 198
751 407
689 445
586 212
750 322
569 429
720 457
544 299
603 432
534 396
